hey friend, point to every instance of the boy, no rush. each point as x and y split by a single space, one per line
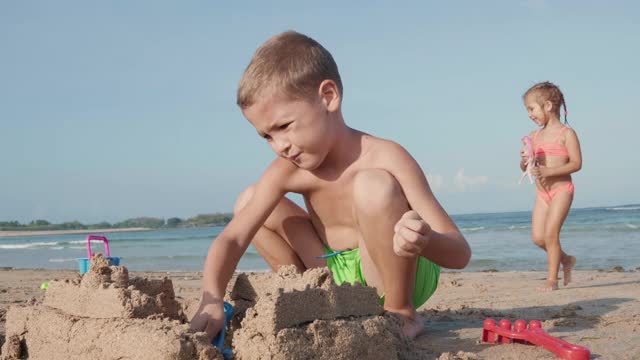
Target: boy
370 209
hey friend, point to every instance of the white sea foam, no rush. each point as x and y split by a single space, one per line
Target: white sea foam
624 208
28 245
477 228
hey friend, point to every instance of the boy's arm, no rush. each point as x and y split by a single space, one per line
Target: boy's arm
443 243
226 250
575 158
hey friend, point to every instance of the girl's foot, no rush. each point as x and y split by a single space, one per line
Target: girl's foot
549 285
567 265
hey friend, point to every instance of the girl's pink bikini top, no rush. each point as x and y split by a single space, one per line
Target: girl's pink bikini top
550 148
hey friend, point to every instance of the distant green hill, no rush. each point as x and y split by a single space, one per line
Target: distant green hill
202 220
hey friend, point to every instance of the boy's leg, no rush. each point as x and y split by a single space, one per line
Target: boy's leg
287 236
557 213
379 203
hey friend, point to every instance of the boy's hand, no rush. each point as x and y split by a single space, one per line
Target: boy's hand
411 235
209 318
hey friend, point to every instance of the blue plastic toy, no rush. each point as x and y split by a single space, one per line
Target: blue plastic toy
218 341
85 263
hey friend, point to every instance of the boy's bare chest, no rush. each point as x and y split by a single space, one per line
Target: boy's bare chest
331 202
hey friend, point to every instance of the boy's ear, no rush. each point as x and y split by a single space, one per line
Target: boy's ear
329 95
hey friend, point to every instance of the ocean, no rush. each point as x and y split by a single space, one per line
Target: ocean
600 238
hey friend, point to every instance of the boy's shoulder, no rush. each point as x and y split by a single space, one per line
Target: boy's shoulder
376 143
384 153
381 146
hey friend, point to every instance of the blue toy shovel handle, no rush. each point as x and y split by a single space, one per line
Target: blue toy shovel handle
218 340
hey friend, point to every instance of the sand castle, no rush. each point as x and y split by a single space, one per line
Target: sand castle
306 316
105 315
284 315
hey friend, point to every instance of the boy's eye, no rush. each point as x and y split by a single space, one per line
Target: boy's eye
284 126
266 137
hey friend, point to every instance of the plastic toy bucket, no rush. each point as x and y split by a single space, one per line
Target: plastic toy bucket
218 341
85 263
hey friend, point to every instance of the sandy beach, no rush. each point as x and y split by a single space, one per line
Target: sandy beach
599 310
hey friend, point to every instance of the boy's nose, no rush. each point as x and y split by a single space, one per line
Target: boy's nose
282 147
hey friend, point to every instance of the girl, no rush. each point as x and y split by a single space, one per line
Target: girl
557 155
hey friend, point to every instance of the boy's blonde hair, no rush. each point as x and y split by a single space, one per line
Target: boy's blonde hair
289 63
548 91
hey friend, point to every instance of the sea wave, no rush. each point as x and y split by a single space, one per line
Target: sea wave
623 208
29 245
62 260
476 228
519 227
618 228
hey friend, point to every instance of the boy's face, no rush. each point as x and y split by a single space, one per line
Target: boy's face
297 130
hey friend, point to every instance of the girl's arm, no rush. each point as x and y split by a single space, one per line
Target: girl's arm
575 157
523 160
524 155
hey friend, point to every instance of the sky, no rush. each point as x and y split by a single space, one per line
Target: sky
117 109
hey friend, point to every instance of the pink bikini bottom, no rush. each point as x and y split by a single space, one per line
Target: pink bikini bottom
548 195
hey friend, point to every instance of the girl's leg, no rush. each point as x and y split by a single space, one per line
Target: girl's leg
287 236
556 214
538 236
538 216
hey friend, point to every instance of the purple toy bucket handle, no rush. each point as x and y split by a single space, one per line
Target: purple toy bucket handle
100 238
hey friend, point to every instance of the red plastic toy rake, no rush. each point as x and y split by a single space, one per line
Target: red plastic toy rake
533 335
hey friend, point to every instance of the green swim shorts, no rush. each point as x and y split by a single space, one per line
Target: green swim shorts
345 266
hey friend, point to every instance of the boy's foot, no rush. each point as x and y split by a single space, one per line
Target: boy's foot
549 285
567 266
413 327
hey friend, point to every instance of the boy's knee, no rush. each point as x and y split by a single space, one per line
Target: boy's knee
375 190
243 199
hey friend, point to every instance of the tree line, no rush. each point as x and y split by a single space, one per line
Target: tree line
202 220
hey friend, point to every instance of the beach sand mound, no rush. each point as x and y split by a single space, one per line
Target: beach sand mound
306 316
104 315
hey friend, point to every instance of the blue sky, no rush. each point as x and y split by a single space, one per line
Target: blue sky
116 109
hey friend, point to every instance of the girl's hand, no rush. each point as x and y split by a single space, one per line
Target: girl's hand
524 159
540 171
411 236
